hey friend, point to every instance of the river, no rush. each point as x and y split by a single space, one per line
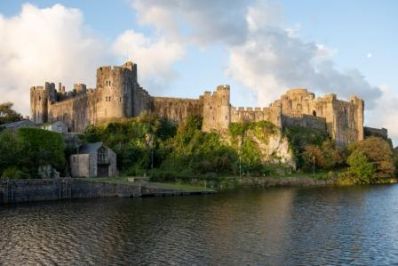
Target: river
281 226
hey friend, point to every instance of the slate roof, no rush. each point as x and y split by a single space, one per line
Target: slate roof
19 124
90 148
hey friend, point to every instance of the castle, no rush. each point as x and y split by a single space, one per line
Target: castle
119 95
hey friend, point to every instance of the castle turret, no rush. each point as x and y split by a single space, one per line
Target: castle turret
115 91
359 116
40 96
217 109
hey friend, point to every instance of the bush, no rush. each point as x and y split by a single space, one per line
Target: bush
14 173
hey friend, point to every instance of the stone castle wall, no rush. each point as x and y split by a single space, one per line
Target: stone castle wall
176 109
376 132
119 95
306 121
249 114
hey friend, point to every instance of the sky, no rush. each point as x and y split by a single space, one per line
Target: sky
183 47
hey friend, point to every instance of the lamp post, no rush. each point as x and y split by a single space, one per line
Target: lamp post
240 157
313 165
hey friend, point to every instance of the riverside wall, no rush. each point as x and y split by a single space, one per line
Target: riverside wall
30 190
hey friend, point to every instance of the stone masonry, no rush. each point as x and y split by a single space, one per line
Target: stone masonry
119 95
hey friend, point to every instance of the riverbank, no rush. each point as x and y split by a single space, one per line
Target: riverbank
31 190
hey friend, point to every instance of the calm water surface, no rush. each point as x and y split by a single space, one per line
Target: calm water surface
286 226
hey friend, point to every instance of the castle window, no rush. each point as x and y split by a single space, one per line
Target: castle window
314 113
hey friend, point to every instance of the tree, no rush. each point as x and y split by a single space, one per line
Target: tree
379 152
40 148
361 169
10 150
7 114
325 156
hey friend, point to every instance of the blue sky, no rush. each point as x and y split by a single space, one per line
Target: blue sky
182 48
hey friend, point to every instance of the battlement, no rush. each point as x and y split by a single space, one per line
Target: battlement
297 91
224 87
36 88
126 66
248 109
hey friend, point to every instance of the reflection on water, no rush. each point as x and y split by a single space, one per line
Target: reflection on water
287 226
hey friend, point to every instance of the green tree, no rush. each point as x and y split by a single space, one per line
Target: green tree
380 153
10 151
325 156
40 148
300 139
361 169
7 114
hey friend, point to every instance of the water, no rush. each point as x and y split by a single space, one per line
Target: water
286 226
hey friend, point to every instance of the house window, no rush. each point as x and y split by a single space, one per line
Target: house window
102 155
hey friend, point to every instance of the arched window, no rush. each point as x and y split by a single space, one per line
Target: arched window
102 155
314 113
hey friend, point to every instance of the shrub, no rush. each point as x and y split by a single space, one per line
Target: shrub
14 172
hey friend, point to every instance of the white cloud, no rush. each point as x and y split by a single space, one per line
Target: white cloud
266 56
273 59
201 22
54 44
385 113
153 57
45 44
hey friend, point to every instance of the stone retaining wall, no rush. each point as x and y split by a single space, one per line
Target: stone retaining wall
14 191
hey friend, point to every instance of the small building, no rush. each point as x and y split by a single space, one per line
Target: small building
93 160
19 124
58 127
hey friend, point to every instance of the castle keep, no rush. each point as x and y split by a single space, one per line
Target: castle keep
119 95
